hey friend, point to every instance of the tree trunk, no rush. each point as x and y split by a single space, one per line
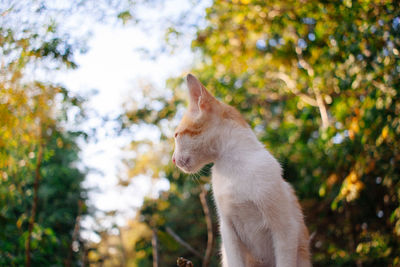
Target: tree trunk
154 243
34 204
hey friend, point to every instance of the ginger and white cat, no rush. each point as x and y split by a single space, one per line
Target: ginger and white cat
261 221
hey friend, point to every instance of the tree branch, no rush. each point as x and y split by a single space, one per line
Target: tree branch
182 242
322 109
317 102
291 86
210 234
320 101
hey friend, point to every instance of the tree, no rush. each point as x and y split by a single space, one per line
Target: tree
41 194
319 83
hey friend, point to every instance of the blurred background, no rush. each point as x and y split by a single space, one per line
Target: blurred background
91 91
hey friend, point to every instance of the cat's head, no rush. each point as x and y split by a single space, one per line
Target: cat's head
198 135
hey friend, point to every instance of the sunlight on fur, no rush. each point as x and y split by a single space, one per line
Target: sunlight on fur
261 222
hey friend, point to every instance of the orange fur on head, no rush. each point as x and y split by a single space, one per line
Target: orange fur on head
203 107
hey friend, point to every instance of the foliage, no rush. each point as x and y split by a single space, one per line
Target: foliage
59 206
117 245
181 211
27 123
319 83
41 196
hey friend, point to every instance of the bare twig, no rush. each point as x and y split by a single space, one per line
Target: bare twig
182 242
210 234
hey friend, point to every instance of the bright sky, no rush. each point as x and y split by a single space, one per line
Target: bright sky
113 66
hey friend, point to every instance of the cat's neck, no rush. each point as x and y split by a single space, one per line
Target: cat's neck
237 147
243 157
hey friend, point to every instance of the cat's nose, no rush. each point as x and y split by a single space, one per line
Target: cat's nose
173 159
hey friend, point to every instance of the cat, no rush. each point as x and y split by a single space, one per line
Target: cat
261 222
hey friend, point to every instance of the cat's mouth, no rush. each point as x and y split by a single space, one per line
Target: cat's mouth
184 167
189 170
185 164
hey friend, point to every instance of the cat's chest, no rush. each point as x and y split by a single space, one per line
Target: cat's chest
229 192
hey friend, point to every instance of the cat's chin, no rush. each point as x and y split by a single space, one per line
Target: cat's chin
189 170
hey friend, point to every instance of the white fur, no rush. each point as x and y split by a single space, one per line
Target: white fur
256 207
261 223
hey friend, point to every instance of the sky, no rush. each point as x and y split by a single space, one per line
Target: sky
113 66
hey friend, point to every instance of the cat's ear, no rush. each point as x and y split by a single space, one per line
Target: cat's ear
199 98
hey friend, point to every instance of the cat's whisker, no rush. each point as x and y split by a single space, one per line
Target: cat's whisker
195 178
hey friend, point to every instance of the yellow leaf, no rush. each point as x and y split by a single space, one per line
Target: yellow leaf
59 143
385 132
